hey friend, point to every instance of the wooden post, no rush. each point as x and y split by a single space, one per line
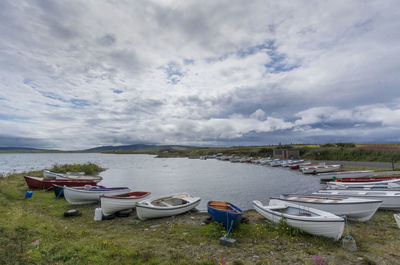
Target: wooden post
393 164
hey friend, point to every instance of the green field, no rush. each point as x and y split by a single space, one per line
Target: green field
32 232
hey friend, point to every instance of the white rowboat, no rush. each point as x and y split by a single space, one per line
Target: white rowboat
166 206
356 209
90 194
113 203
310 220
390 199
397 218
320 169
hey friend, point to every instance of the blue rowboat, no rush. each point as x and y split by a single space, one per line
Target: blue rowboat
224 212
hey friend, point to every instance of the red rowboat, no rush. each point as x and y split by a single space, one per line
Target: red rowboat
42 183
366 179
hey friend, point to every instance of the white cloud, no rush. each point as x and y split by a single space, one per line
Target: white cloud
85 73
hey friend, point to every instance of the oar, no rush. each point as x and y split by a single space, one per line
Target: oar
58 196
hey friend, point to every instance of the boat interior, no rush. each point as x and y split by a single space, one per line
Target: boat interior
223 206
314 199
294 211
168 202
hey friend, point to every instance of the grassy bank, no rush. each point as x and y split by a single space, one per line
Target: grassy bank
343 152
31 232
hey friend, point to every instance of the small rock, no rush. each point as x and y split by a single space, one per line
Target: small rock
255 256
360 258
146 229
154 226
36 242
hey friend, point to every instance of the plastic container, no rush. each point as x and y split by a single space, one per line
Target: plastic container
98 215
28 194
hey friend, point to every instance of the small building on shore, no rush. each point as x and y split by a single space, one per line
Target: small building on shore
286 154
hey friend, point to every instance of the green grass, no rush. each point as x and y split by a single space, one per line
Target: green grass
178 240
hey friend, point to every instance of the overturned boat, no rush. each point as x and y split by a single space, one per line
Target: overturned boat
114 203
90 194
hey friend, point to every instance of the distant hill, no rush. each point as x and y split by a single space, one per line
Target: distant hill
24 150
138 148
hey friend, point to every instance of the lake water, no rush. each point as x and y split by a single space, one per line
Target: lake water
210 179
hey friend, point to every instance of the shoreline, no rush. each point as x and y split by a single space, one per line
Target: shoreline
33 232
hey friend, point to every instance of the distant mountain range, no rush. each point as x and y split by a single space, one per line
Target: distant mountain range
138 148
121 148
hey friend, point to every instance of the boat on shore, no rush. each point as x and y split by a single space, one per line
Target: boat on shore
397 218
356 209
310 220
367 179
42 183
113 203
166 206
224 212
344 174
319 169
90 194
390 199
71 176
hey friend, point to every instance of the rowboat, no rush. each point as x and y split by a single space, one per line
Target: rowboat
390 199
368 179
114 203
224 212
59 190
390 182
166 206
90 194
79 177
319 169
312 221
356 209
42 183
49 174
71 176
397 218
345 174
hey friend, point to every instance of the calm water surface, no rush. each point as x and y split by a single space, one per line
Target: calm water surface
209 179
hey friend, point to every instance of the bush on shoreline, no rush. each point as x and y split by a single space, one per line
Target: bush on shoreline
88 168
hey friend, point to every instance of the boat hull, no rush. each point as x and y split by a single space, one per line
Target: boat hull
80 196
42 183
321 226
390 199
397 218
320 169
145 209
356 209
113 204
226 217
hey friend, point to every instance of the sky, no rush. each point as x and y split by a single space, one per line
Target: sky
79 74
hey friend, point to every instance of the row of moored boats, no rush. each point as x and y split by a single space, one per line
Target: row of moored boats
321 213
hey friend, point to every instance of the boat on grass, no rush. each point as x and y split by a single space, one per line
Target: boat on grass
310 220
390 199
114 203
319 169
166 206
71 176
397 218
90 194
42 183
356 209
224 212
368 179
59 190
344 174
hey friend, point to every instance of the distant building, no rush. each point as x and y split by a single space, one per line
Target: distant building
286 153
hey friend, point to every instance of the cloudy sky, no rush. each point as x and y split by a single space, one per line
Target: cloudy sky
79 74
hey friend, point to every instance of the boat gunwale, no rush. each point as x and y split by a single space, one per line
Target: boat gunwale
154 207
327 198
300 218
146 193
